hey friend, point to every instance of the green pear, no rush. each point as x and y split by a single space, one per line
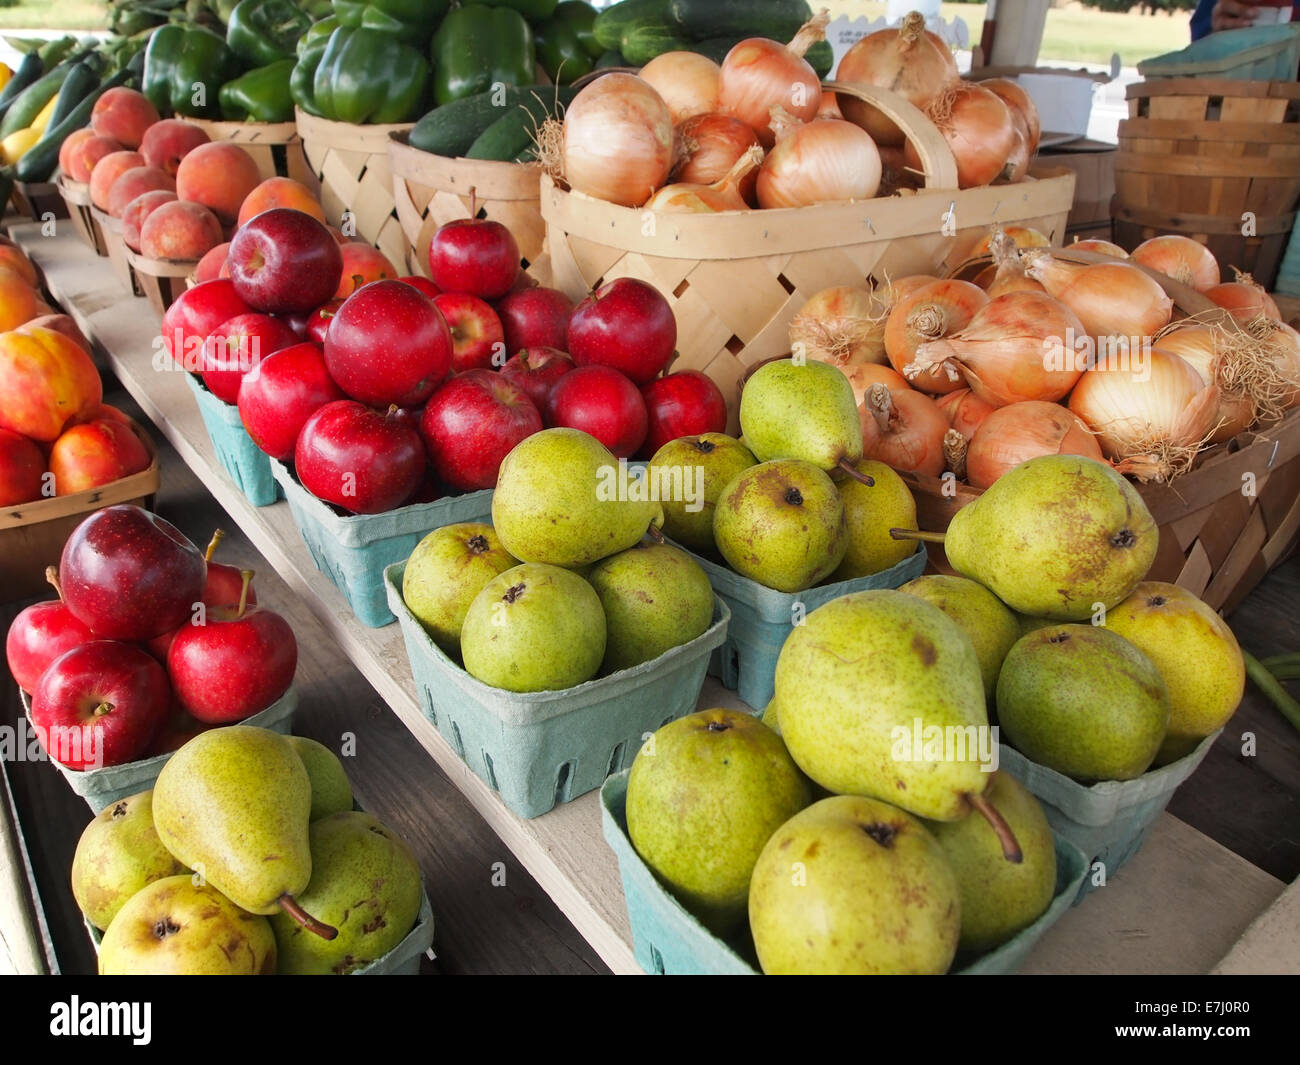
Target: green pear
534 628
771 716
1084 701
999 898
1054 537
870 511
1027 623
655 597
704 795
1196 653
562 498
175 927
854 886
801 410
990 626
331 791
447 569
233 804
119 853
364 881
713 459
781 524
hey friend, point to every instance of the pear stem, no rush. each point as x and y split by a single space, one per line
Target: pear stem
856 474
914 534
52 575
217 536
247 575
290 906
1010 845
656 534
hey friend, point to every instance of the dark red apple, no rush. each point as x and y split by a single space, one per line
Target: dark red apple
318 322
236 346
536 370
223 588
626 324
534 318
477 342
471 424
423 284
474 255
100 704
357 458
22 469
388 344
130 575
280 393
284 260
686 403
38 635
196 312
603 403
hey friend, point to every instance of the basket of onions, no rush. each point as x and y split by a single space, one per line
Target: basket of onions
657 177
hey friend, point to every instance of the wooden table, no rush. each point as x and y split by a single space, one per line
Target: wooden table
1179 907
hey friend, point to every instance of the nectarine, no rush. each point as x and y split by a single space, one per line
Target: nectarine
107 171
219 175
181 230
167 142
123 114
280 192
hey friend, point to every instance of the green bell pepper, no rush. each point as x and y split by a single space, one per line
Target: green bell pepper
368 76
184 69
319 35
261 95
412 20
311 47
317 9
534 11
478 46
262 32
222 8
560 51
580 17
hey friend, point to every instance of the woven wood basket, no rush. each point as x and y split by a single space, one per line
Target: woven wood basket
160 281
1196 155
736 279
76 195
275 147
36 199
115 248
351 164
431 190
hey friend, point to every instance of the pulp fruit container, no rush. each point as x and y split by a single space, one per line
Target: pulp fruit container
539 749
761 619
667 939
353 549
1254 53
246 463
1109 820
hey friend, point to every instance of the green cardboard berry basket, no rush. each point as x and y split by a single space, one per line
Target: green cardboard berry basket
761 619
539 749
1108 821
1253 53
248 465
667 939
353 549
102 787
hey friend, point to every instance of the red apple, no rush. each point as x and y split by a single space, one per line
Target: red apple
686 403
280 393
470 425
388 344
100 704
536 370
223 588
284 260
535 318
22 469
477 342
96 453
38 636
130 575
423 284
626 324
236 346
603 403
318 321
357 458
474 255
196 312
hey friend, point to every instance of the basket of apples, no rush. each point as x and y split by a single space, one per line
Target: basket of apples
148 644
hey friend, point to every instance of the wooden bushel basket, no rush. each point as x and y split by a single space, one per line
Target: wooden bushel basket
275 147
351 163
36 199
736 279
115 248
160 281
76 195
431 190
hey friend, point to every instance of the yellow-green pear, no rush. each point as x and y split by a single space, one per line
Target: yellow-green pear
703 466
447 569
870 511
990 626
331 791
1196 653
801 410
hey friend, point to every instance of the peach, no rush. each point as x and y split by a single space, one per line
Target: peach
362 264
95 453
70 144
106 412
47 382
138 210
123 114
60 323
136 182
15 259
281 192
22 469
107 171
181 230
19 301
87 153
209 268
219 175
167 142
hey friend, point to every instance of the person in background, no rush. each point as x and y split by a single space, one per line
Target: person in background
1211 16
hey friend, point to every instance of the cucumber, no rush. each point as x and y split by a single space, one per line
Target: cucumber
702 19
641 43
81 81
450 129
39 161
24 110
716 48
821 58
614 22
510 137
612 58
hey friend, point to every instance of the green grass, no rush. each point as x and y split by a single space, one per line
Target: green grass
54 15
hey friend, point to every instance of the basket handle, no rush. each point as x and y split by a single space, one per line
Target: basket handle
936 157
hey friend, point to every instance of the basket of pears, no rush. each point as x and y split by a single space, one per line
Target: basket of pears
788 517
249 858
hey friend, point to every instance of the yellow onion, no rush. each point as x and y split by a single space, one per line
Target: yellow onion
1022 106
710 145
723 195
965 411
1282 344
687 81
930 313
618 140
843 326
1022 431
1244 298
863 375
822 161
1238 363
759 74
1185 260
1111 299
1023 237
1008 269
1100 247
903 429
978 128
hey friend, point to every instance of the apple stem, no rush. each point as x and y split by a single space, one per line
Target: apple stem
656 534
52 575
913 534
247 575
290 906
102 709
1010 845
856 474
217 536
